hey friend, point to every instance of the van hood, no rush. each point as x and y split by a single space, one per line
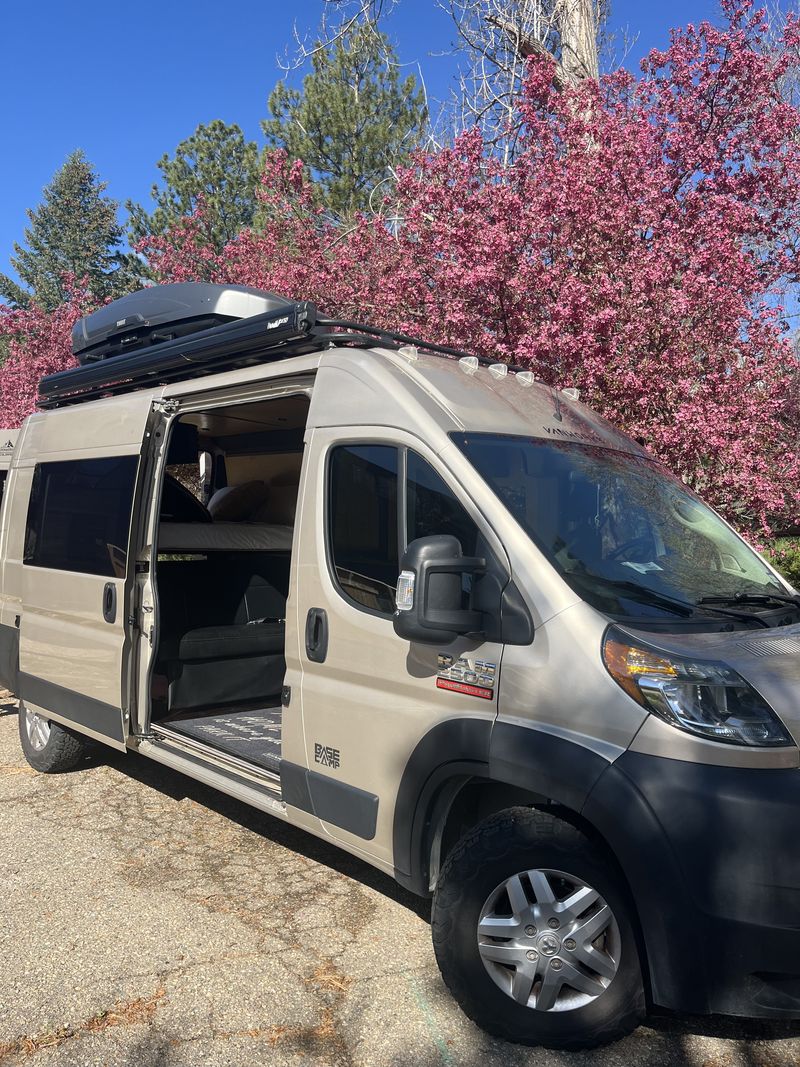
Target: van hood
768 659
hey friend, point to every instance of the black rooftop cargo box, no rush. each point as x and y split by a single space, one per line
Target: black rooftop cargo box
190 329
165 312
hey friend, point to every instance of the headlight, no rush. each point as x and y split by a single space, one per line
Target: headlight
707 699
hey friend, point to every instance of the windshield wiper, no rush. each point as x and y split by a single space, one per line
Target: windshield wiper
752 598
639 592
681 607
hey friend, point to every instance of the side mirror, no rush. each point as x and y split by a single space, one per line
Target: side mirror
430 592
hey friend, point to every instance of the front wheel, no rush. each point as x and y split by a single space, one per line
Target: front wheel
48 747
534 937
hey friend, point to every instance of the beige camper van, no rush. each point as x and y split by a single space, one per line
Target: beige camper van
438 613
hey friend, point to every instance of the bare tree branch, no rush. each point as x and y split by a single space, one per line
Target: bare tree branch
339 18
496 37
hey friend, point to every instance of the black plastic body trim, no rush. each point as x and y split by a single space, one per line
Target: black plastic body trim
454 748
351 809
503 753
559 769
83 711
710 855
9 658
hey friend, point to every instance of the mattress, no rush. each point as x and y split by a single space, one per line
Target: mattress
223 537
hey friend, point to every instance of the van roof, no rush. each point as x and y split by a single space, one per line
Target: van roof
423 394
434 397
445 389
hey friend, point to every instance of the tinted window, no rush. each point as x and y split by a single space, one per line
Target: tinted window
363 523
79 515
432 507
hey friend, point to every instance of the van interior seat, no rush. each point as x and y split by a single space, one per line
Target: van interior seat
223 599
222 626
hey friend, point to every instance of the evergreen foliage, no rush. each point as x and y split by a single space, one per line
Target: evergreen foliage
213 174
354 121
73 237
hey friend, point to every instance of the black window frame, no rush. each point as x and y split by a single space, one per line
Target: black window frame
36 517
402 510
328 512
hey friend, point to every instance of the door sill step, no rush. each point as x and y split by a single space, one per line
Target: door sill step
169 742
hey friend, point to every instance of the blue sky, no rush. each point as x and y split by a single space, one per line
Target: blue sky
127 82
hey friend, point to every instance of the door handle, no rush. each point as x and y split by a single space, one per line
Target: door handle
110 602
317 635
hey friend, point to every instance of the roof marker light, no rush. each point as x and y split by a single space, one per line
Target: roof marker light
572 394
525 377
411 352
469 364
498 370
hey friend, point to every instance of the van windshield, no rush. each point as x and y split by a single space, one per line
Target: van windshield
627 536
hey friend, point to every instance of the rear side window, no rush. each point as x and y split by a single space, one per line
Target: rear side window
363 523
79 515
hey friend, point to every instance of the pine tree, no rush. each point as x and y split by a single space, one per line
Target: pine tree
73 234
216 171
353 121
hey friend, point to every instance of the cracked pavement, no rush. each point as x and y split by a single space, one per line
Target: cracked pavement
148 921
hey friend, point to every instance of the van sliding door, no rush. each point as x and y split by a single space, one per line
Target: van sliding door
74 628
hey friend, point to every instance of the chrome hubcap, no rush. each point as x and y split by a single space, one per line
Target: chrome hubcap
38 730
548 940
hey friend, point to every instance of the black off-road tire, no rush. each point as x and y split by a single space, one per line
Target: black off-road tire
508 843
63 750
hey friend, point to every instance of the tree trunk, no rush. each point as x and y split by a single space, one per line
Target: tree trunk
578 25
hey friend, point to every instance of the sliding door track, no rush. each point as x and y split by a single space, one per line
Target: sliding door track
215 759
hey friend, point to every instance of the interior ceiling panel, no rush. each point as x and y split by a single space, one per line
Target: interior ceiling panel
284 413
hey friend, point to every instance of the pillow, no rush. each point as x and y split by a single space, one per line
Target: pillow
280 506
237 503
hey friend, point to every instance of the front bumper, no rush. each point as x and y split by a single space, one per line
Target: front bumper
712 859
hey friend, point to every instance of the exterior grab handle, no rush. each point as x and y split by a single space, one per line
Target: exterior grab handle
317 635
110 602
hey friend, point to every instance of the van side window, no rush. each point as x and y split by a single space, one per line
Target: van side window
432 507
366 541
79 515
363 524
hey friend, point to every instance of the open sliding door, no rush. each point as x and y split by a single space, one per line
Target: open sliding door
75 627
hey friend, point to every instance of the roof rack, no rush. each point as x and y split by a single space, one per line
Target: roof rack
259 339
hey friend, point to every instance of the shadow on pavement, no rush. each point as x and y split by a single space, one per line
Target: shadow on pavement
674 1033
179 787
724 1027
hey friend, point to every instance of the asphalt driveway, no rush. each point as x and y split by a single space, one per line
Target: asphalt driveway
149 922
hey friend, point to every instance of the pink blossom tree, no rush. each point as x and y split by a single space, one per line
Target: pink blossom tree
39 343
641 247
